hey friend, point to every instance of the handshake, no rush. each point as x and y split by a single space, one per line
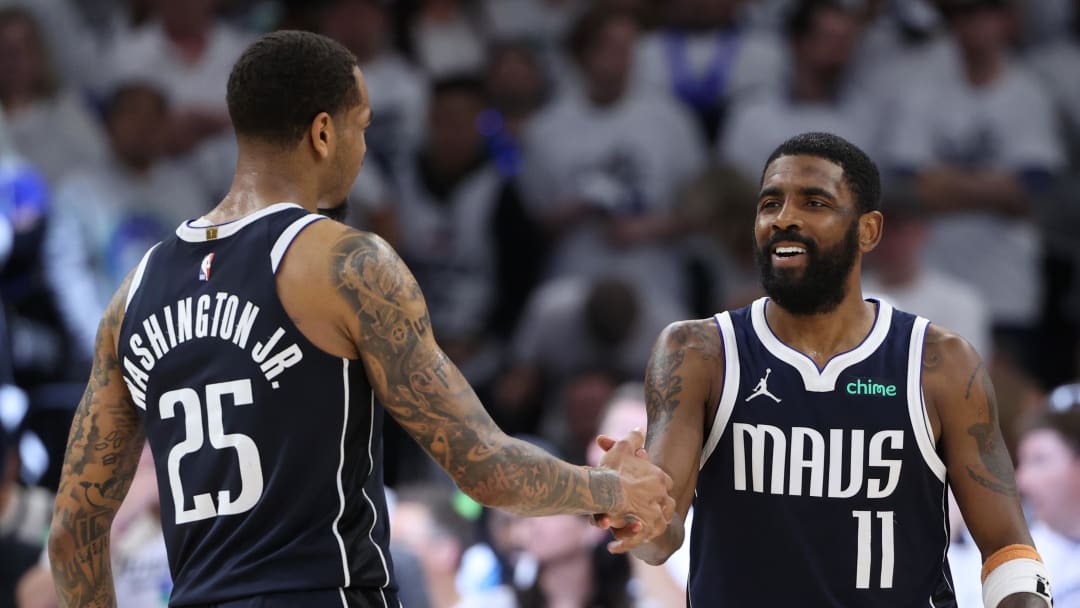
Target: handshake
644 507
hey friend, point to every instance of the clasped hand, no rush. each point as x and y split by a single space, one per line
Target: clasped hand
646 507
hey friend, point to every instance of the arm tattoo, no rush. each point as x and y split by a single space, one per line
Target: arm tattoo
971 380
99 464
664 376
428 396
992 451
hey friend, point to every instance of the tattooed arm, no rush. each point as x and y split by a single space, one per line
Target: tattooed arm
682 387
424 391
102 454
962 405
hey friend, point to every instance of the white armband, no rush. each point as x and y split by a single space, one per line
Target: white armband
1015 569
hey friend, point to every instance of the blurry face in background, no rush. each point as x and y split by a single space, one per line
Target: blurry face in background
621 417
454 142
608 60
360 25
1048 476
514 80
828 49
22 58
981 31
135 126
556 538
186 16
702 14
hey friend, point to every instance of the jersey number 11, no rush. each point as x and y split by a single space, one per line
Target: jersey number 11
864 554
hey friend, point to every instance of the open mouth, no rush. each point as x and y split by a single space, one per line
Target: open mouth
788 251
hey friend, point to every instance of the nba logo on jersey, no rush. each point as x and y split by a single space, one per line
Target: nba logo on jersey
204 267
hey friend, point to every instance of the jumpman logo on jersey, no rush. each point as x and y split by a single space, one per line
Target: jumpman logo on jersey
762 388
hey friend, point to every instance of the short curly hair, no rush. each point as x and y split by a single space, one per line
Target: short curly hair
860 173
284 79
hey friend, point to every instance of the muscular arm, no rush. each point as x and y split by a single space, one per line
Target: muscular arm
682 381
980 471
102 454
424 391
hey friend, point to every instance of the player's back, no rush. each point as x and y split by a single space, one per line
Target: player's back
267 449
820 486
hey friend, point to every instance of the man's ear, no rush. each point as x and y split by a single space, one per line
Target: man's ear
870 226
322 135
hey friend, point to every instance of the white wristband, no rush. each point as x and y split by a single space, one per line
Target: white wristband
1022 575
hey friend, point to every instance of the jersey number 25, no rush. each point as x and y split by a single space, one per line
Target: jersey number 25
251 479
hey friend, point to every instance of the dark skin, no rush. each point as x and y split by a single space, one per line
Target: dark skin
685 374
352 296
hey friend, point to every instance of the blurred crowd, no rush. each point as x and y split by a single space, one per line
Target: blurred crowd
564 178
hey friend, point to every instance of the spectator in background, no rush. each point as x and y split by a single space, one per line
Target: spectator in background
656 586
707 57
465 223
823 37
575 329
447 38
543 23
716 206
1048 476
467 241
898 274
1057 62
572 565
187 52
517 88
398 90
602 166
107 215
19 547
49 124
433 521
978 150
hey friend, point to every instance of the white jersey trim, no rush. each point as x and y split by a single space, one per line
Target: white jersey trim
920 423
136 280
374 512
820 380
340 487
730 392
196 231
277 253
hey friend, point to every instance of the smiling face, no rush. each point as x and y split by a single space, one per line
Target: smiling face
808 234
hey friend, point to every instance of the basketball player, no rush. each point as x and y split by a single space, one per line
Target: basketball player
252 350
815 431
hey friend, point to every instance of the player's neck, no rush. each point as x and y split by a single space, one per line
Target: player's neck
262 180
825 335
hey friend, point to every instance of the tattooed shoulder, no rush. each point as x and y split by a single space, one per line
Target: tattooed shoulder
666 373
959 386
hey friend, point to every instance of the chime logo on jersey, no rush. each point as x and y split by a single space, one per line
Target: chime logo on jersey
204 267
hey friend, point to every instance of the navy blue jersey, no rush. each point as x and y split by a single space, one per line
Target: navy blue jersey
820 487
267 449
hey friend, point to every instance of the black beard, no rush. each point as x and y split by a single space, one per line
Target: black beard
337 212
823 283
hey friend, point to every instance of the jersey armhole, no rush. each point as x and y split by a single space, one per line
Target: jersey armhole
281 245
136 280
920 422
731 385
